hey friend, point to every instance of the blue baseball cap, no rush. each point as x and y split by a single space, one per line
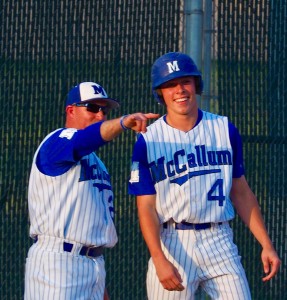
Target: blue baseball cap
89 92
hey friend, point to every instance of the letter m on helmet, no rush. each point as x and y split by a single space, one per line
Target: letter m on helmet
172 66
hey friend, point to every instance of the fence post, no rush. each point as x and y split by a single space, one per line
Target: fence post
193 14
206 96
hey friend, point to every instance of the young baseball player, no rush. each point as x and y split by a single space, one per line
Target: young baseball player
187 174
71 200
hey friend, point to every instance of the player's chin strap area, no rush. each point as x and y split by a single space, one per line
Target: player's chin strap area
190 226
59 245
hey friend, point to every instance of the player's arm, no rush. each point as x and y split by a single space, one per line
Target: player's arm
142 186
168 275
248 209
137 122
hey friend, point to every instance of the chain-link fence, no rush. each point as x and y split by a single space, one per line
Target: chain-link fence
49 45
251 63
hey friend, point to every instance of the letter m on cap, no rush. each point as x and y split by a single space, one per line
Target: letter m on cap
172 66
99 90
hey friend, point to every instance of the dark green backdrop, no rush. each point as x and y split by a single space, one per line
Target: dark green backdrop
47 46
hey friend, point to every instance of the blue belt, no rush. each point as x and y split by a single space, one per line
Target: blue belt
191 226
91 252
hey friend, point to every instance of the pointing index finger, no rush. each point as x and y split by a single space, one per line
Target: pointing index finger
151 115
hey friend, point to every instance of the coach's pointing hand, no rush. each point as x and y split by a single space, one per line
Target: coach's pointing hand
137 121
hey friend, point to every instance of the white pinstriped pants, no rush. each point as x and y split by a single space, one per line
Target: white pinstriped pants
52 273
208 258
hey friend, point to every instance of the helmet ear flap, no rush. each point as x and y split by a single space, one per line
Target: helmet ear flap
198 85
158 96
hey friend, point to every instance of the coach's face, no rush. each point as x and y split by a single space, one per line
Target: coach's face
80 117
179 95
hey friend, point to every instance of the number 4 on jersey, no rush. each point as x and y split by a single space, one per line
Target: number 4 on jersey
216 192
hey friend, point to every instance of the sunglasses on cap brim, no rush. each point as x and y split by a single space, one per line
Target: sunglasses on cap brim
94 108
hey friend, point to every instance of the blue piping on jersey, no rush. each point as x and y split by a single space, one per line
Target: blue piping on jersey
181 180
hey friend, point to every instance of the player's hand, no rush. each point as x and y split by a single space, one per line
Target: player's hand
271 263
138 121
168 275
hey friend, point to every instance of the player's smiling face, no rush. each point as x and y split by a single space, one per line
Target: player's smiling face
179 95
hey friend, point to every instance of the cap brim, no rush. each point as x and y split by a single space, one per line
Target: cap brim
112 103
174 76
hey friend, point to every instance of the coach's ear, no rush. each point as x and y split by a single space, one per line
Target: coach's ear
70 109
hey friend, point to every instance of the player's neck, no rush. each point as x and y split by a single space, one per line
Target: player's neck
182 122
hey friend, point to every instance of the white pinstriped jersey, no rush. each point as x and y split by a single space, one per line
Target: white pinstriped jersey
76 205
191 171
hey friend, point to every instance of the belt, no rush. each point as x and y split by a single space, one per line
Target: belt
191 226
91 252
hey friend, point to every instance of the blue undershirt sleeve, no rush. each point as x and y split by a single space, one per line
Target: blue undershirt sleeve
236 144
67 146
144 184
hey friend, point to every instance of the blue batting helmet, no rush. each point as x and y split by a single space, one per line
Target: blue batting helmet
174 65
